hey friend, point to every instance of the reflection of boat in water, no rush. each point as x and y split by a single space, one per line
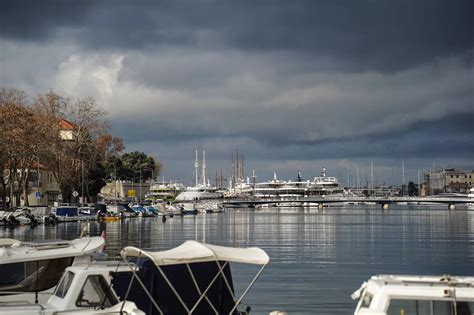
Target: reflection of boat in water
389 294
37 266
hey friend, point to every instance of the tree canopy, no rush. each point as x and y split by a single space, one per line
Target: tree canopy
69 137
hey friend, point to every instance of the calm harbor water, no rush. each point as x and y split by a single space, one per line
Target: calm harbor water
318 257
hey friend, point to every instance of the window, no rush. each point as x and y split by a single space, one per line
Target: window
12 273
420 307
96 292
64 284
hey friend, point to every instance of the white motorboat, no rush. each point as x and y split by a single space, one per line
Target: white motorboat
37 266
82 290
417 295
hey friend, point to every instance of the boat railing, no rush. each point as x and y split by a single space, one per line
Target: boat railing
21 304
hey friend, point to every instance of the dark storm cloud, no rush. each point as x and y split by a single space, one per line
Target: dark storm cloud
38 20
288 82
384 35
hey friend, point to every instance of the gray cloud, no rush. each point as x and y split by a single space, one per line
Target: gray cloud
294 84
385 35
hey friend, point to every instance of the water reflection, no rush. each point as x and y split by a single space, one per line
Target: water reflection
318 257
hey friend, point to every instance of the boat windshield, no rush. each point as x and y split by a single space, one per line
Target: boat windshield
64 284
426 307
96 292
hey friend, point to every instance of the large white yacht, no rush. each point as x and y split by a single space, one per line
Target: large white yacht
296 189
201 193
325 185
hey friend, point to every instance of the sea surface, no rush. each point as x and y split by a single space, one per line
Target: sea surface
318 256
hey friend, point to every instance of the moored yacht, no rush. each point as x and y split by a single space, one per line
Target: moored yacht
419 295
191 199
325 186
164 191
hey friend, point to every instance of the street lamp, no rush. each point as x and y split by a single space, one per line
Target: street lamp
82 181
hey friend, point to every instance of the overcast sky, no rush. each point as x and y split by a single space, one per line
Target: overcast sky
294 85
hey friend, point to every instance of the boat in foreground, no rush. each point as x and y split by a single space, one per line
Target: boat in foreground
417 295
193 278
84 289
38 266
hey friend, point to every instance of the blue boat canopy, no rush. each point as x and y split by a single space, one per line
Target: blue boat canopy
66 211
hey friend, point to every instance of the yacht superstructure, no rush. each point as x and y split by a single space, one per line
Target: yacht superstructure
202 190
296 189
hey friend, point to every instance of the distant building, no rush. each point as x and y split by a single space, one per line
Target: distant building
125 190
447 181
43 187
67 130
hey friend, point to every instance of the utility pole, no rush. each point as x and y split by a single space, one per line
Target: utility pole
37 179
82 183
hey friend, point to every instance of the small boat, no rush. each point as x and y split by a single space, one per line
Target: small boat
19 217
37 266
82 289
419 295
193 278
65 213
110 218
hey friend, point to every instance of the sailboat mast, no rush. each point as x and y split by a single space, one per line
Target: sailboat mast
204 167
196 168
371 177
403 177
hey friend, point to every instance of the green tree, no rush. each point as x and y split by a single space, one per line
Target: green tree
412 189
137 165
